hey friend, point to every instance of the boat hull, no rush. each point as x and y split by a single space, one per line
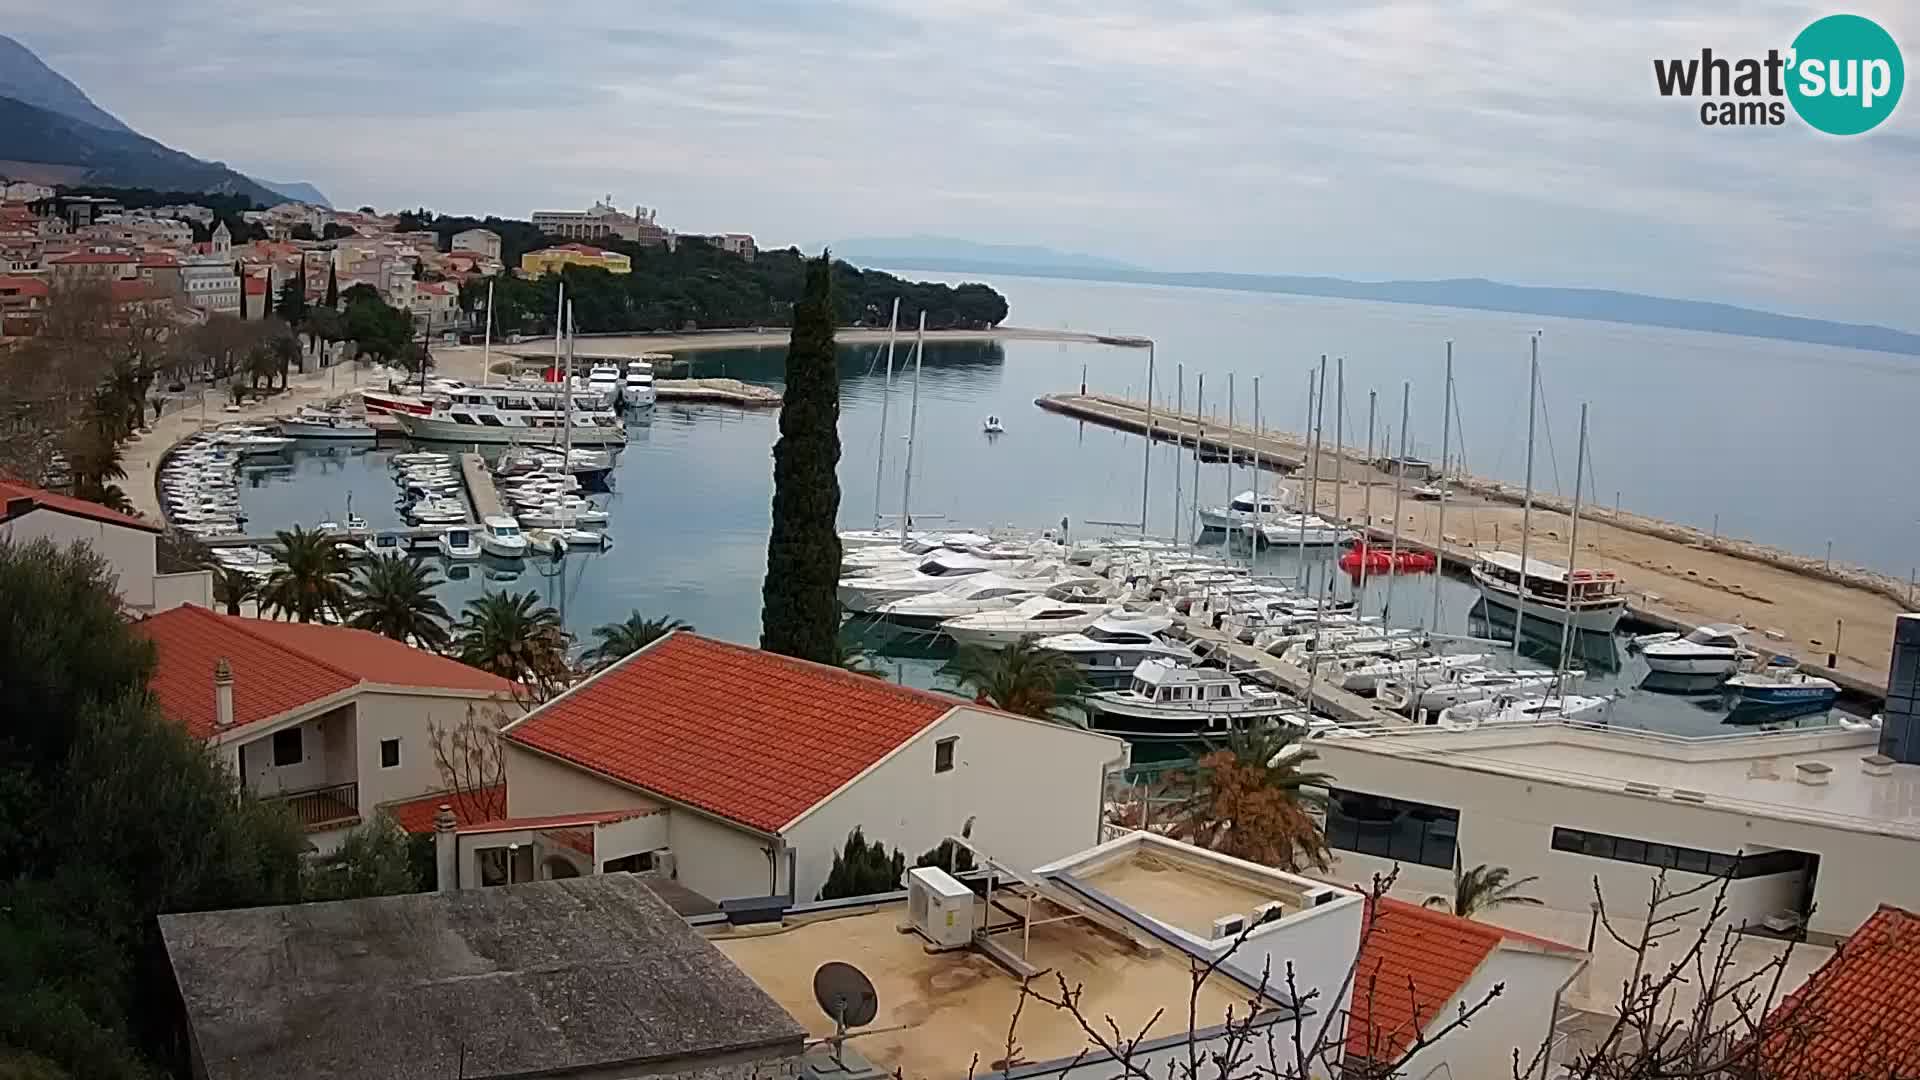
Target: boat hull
1601 618
428 429
1692 665
1787 695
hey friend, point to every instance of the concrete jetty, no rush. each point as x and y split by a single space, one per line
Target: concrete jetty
481 494
717 391
1265 448
1328 700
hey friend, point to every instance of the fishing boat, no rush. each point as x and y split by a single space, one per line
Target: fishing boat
1781 683
1430 692
1166 701
500 537
1245 508
1582 599
458 543
323 424
1508 709
992 425
1712 649
1107 651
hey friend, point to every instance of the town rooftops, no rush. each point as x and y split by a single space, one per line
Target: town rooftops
1859 1015
749 736
582 249
279 667
101 258
1755 775
16 285
588 976
18 500
1412 964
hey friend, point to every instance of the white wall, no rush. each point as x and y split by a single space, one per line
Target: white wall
1509 821
175 590
539 786
1034 790
1519 1018
323 759
619 839
127 550
720 861
409 718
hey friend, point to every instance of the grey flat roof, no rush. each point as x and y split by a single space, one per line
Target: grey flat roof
537 979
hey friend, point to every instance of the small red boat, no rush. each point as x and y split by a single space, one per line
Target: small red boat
1379 560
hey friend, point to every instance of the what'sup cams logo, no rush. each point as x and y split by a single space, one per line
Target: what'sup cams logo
1842 75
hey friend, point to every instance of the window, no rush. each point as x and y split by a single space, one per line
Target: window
943 754
1674 857
1396 829
286 748
389 753
506 865
638 864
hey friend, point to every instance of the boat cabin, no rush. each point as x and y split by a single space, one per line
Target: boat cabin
1247 503
1550 582
1718 636
1164 682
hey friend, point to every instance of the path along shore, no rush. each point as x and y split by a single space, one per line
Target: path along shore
1674 572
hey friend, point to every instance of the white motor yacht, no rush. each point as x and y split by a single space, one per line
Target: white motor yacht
1507 709
500 537
863 594
1309 529
1166 701
604 380
1061 610
637 387
1597 603
1108 650
1713 649
1781 684
458 543
1431 692
1363 675
437 512
1245 509
1332 649
988 593
324 424
560 514
568 537
382 544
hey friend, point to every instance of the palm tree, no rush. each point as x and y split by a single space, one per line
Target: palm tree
1254 798
94 456
394 596
231 588
1481 888
110 496
622 639
516 637
1021 678
311 582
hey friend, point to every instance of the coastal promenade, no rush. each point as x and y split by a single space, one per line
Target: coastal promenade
1677 574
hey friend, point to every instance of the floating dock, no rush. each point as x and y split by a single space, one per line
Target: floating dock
481 495
1329 700
717 392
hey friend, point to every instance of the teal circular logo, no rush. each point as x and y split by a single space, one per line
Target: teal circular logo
1846 75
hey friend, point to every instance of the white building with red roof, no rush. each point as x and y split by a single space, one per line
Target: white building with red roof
126 543
754 768
336 721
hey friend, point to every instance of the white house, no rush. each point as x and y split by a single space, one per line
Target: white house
484 242
335 721
126 543
750 769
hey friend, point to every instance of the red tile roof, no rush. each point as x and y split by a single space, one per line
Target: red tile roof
1437 952
1859 1015
37 499
550 821
22 286
748 736
279 666
416 815
75 258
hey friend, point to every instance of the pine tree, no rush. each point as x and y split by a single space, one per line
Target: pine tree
800 611
333 288
862 869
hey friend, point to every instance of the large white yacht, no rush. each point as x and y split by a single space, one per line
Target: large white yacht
1597 598
514 414
1108 650
1245 508
1713 649
864 594
637 389
982 592
1036 616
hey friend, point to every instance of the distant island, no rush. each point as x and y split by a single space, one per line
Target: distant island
1477 294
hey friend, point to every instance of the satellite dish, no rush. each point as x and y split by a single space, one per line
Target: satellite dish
845 994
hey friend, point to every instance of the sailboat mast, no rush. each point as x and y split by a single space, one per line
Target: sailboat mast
1440 525
1227 510
1300 512
1319 436
1199 430
913 424
560 329
1179 440
1146 461
1259 480
1399 482
1526 505
1366 513
1339 451
886 402
486 341
1573 550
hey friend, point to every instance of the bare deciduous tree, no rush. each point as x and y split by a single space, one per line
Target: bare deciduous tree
467 756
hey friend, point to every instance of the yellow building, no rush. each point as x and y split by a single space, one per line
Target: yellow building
547 260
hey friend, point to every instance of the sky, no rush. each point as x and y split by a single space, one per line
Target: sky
1520 140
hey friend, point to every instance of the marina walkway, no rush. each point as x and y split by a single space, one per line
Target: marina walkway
481 494
717 391
1343 706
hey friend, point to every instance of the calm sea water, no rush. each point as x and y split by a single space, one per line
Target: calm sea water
1789 444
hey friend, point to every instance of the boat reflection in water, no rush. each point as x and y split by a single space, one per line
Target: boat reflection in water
1667 682
1540 640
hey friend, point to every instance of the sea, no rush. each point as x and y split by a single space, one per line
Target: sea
1789 444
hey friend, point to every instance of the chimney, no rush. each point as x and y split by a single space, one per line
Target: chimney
446 850
222 694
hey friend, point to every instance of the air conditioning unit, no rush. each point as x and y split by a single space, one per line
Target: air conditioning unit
1227 926
939 909
663 864
1271 911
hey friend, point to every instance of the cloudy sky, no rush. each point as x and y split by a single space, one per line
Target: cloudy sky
1514 139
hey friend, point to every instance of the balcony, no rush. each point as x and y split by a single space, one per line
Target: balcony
336 806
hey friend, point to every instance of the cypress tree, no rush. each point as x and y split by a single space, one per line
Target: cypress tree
333 288
241 273
266 295
800 611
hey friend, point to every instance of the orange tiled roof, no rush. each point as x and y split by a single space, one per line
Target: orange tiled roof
746 735
38 499
13 285
416 815
100 257
279 666
1859 1015
1437 952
